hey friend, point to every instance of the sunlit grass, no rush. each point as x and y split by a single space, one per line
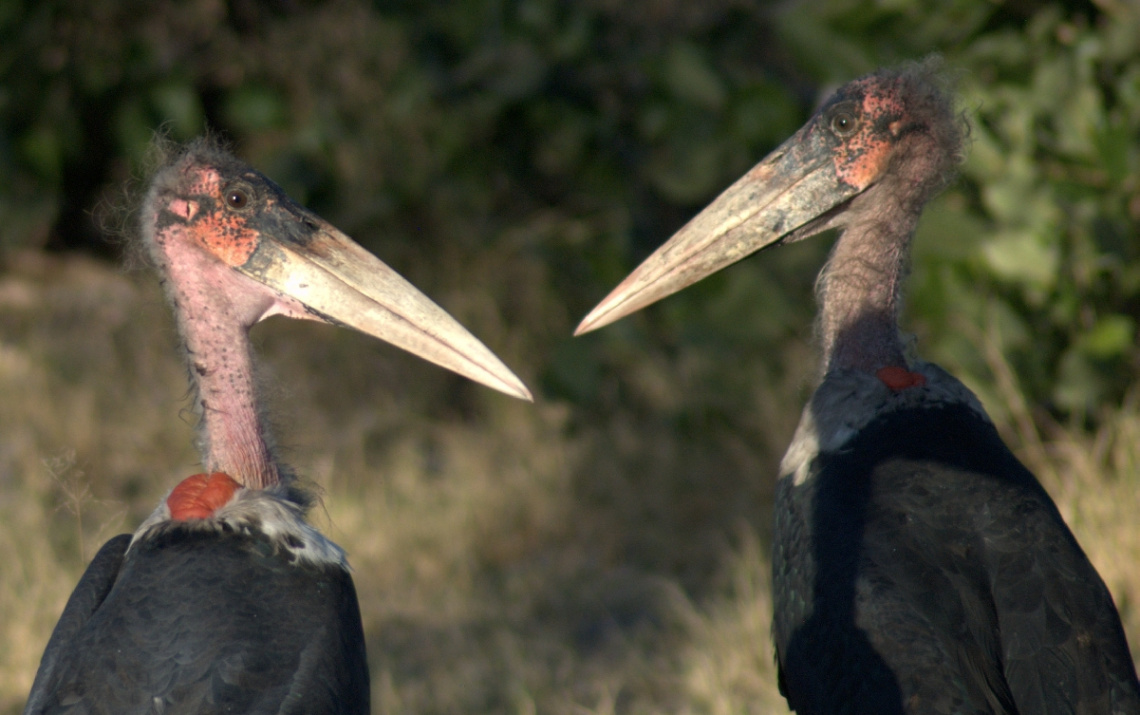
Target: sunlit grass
509 558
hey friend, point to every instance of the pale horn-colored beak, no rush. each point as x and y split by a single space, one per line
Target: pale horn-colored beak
791 187
339 282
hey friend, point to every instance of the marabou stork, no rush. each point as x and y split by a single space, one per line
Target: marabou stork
917 566
225 599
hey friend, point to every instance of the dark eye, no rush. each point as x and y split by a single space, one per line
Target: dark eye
237 197
843 118
843 123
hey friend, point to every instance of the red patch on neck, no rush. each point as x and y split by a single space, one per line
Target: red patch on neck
899 378
199 496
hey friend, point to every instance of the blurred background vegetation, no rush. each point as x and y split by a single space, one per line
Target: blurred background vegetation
605 550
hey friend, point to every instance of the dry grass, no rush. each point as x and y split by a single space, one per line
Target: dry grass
509 559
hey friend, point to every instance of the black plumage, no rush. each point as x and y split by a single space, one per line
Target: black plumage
194 620
937 576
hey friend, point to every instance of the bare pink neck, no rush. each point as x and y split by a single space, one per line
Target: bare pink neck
860 294
215 329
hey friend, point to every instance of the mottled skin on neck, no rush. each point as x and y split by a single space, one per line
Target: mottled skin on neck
196 237
907 146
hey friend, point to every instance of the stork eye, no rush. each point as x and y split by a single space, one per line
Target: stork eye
844 121
237 197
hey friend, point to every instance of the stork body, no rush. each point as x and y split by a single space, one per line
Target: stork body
918 566
226 599
211 615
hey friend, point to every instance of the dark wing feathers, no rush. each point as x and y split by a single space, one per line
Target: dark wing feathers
1065 653
200 622
88 595
928 555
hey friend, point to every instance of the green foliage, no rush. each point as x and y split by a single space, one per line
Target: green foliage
1054 175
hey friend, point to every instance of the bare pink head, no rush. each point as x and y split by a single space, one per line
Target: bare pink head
234 249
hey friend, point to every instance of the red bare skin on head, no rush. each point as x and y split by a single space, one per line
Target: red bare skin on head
222 232
199 496
899 379
862 158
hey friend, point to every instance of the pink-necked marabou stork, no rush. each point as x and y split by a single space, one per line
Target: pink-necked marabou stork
226 599
917 565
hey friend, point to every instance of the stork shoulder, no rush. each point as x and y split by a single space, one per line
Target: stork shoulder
846 401
276 514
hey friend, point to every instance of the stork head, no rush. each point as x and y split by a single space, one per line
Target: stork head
210 218
889 136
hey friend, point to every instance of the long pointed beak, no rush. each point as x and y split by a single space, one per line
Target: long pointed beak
793 185
339 282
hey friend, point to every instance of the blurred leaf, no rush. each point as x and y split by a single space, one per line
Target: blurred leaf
1080 383
764 113
42 148
133 129
691 78
1116 149
1111 337
1022 257
948 231
178 107
688 172
255 108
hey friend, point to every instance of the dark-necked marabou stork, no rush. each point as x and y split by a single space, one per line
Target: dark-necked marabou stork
226 600
917 566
